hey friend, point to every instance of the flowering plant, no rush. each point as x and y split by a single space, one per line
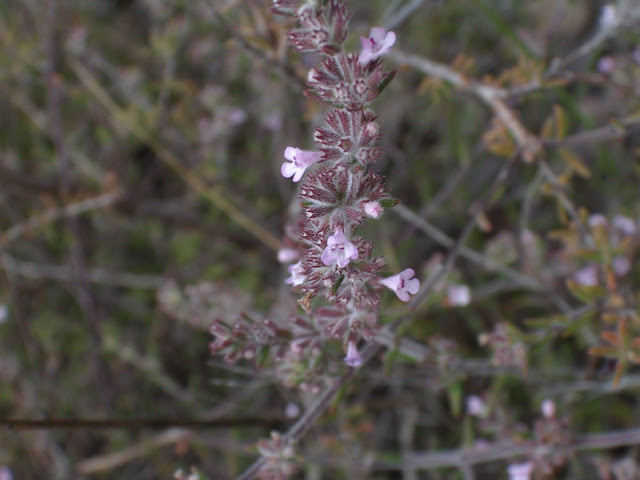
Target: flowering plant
332 261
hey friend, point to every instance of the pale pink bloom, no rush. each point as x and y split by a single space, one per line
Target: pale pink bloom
606 64
586 276
476 406
597 220
292 410
621 266
548 408
353 358
5 473
481 445
299 161
297 274
379 42
520 471
236 116
339 249
624 224
458 295
608 16
373 209
288 255
403 284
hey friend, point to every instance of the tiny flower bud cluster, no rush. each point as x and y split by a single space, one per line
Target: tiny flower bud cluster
344 82
321 29
611 240
280 455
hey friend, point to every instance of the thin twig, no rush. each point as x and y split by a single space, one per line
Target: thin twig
617 130
314 412
506 450
63 273
403 14
67 211
134 423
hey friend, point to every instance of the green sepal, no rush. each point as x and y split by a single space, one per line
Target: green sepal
385 81
337 284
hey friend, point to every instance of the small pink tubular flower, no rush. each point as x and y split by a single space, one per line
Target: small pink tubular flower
625 224
458 295
297 274
520 471
621 266
476 406
339 250
379 42
286 255
548 408
299 160
353 358
373 209
403 284
586 276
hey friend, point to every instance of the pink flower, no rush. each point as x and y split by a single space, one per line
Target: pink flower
606 64
373 209
379 42
520 471
297 274
403 284
476 406
586 276
621 266
353 358
597 220
300 161
5 473
286 255
548 408
625 224
339 250
458 295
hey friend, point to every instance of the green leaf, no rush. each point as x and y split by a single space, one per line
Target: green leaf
585 293
389 202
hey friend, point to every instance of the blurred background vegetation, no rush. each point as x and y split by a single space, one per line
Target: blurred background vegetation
141 197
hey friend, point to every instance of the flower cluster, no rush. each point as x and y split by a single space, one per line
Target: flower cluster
280 455
332 261
326 257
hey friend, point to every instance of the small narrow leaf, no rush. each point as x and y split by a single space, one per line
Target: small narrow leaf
575 163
